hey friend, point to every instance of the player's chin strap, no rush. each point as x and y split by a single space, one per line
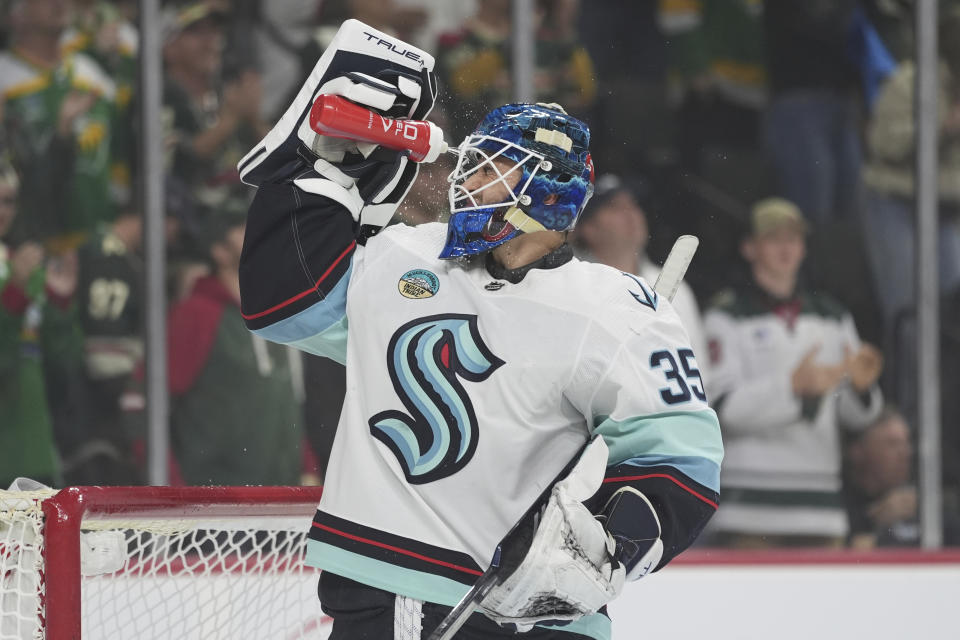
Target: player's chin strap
521 221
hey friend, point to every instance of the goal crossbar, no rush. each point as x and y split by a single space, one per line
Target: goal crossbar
76 509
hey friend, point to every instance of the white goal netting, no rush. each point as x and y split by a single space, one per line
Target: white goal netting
21 565
233 576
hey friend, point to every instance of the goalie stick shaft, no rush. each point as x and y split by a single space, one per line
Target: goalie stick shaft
674 268
464 609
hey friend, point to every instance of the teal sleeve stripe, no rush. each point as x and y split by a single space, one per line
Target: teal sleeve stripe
675 436
704 471
328 310
421 586
329 343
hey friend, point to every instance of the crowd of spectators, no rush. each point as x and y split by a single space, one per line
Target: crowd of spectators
780 132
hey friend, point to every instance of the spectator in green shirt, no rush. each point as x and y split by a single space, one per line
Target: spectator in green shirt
57 113
36 323
236 415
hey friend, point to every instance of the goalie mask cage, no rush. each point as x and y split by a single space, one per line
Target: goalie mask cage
158 562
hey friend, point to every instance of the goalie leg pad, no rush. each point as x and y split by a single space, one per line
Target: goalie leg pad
569 570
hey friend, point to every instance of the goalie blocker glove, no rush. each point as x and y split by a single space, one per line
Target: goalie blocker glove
577 562
632 523
369 181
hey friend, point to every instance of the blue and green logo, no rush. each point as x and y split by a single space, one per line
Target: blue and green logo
438 433
418 283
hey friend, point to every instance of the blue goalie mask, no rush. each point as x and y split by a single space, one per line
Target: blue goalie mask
526 168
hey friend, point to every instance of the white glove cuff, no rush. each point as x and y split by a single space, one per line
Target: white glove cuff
648 562
361 93
335 185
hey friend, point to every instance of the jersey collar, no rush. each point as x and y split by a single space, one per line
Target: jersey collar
558 257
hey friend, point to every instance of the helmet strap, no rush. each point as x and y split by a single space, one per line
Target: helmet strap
521 221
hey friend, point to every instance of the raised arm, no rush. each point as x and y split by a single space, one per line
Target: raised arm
319 198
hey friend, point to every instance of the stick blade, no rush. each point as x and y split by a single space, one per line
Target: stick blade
675 266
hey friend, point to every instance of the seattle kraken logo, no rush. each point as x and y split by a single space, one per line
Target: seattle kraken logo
438 435
650 297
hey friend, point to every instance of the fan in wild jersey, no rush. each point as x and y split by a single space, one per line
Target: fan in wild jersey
481 356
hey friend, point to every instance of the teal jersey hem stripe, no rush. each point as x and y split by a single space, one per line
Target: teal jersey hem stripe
383 575
687 440
422 586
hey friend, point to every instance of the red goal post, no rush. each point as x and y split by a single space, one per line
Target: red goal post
102 561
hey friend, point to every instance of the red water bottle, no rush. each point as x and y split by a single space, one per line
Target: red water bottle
339 118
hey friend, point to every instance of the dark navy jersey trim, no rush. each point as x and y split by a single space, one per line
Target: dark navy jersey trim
394 549
297 248
314 289
683 505
668 476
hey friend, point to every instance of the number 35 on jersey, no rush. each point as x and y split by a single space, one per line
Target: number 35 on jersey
682 375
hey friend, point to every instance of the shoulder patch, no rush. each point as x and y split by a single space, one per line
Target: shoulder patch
418 283
823 305
642 292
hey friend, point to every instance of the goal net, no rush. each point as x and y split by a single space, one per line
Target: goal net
158 563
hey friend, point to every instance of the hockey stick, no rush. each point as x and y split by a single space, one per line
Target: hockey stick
512 544
675 266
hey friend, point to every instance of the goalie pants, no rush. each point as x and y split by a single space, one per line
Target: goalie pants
360 612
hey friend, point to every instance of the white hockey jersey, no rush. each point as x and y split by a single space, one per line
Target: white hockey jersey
782 469
466 396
